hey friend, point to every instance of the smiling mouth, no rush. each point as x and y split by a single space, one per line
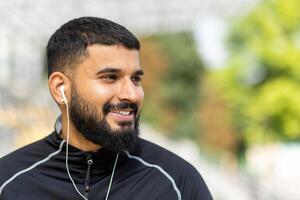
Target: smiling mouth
123 117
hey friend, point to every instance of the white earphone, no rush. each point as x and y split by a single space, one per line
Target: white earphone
62 91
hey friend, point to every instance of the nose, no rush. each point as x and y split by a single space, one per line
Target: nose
127 91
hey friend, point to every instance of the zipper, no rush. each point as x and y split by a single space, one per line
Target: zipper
87 186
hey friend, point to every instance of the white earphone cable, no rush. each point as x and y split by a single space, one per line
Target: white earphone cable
67 154
112 176
67 157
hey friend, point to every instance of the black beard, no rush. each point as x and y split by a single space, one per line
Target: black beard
95 128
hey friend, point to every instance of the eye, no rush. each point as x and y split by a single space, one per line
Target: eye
137 79
109 77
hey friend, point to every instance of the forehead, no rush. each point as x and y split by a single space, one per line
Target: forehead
116 56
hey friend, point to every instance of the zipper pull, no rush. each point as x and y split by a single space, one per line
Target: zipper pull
87 186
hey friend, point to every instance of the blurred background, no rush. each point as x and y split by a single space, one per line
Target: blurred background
221 86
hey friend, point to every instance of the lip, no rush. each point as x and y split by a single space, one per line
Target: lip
119 117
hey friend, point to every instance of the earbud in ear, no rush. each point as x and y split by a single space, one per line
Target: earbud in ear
62 91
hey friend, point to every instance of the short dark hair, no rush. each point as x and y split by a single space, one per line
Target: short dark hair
67 46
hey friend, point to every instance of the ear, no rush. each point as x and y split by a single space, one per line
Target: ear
55 82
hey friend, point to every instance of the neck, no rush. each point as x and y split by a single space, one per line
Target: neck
76 139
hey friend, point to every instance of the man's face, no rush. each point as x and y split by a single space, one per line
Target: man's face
107 96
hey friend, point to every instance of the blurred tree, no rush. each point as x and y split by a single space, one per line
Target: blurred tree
173 70
262 80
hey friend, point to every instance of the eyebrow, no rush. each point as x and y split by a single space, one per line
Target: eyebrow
108 70
139 72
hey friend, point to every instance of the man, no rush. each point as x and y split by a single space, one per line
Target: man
95 152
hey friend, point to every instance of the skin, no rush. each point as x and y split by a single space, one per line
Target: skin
109 74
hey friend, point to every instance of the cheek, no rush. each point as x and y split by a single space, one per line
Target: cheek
102 92
140 95
98 94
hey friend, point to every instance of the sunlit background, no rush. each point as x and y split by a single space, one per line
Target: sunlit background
221 86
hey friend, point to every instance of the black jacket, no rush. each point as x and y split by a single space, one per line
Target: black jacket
38 172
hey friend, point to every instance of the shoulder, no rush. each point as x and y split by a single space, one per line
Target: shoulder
156 154
20 159
187 178
167 160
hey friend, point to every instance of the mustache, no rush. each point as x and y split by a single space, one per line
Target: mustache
123 105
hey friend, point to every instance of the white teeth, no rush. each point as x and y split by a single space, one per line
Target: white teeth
124 112
121 112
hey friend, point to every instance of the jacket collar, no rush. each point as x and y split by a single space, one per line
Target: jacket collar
103 159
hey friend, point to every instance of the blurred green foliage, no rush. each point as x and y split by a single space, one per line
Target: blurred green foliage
178 84
262 80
